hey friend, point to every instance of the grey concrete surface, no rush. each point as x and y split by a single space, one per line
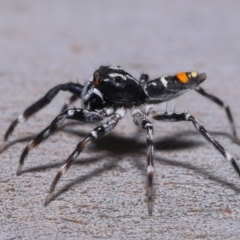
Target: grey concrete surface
103 195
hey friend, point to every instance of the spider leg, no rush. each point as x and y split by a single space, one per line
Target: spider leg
75 114
175 117
95 134
74 88
71 100
221 104
140 120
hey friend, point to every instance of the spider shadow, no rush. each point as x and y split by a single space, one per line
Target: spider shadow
118 147
19 140
106 167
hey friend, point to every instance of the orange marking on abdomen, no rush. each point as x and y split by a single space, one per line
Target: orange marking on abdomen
182 76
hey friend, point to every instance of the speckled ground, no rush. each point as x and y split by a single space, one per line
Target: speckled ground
103 195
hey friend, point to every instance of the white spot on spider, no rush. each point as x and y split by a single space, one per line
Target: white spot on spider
193 74
63 168
31 145
150 169
228 156
121 112
113 75
164 81
115 67
154 84
187 116
70 112
21 119
94 134
105 125
46 134
109 111
148 124
60 120
130 77
86 95
75 155
97 92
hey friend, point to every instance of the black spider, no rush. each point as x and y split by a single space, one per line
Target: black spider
109 93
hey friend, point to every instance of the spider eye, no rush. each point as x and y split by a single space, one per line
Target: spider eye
118 79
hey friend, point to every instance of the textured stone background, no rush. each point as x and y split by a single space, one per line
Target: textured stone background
103 195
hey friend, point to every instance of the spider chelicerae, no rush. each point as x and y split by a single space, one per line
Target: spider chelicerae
106 97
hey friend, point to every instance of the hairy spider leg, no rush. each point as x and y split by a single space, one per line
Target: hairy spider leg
95 134
220 103
141 121
176 117
75 114
74 88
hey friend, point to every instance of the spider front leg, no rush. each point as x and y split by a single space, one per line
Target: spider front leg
140 120
75 114
222 104
95 134
74 88
175 117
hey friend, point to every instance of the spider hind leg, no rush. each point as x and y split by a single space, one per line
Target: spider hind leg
222 104
176 117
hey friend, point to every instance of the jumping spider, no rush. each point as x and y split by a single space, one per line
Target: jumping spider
107 96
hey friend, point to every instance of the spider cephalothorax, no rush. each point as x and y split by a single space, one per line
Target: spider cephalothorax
114 86
106 97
